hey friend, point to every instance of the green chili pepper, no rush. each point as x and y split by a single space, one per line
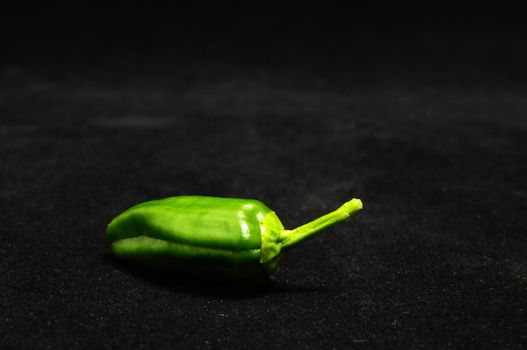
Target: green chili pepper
223 237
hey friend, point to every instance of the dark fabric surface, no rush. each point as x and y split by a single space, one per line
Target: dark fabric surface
436 259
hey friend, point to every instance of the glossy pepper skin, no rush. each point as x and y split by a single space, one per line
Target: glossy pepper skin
240 239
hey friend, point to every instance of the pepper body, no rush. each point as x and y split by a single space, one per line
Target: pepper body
220 237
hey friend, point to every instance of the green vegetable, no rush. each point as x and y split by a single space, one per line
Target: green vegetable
219 237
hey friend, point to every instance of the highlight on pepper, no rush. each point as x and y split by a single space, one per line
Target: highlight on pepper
218 237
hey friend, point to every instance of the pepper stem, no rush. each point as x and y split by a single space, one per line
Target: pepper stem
290 238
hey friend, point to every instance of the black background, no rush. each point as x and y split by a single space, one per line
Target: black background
420 112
